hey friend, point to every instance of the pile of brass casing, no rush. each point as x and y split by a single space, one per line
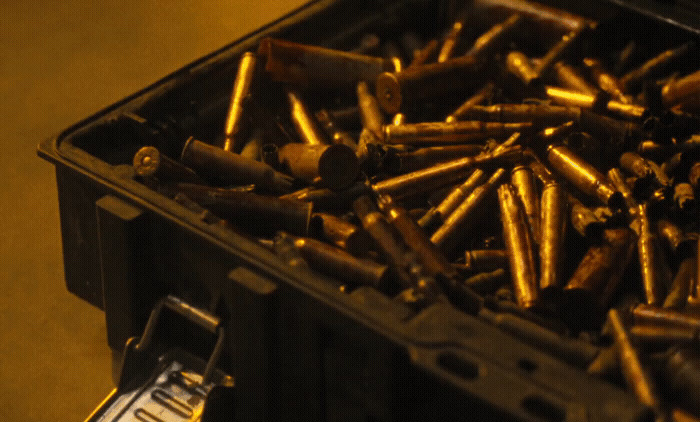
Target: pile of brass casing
519 168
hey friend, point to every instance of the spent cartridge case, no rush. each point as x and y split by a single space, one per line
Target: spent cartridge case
425 54
683 93
654 67
570 78
654 315
519 65
519 246
588 222
306 127
648 261
232 168
675 239
559 49
656 335
336 135
682 372
149 162
234 133
337 166
342 233
598 275
324 198
488 282
386 237
433 260
439 175
635 375
549 17
641 167
441 212
308 65
618 180
541 115
596 102
496 37
450 41
429 80
554 207
245 209
372 117
605 80
443 133
541 171
684 196
479 97
484 260
464 216
681 285
429 156
338 263
584 176
523 180
694 175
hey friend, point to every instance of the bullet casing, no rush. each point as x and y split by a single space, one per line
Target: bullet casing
337 166
519 246
336 135
654 315
596 102
420 158
484 260
584 176
559 49
424 54
541 115
339 263
245 209
605 80
324 198
443 210
635 375
654 66
372 118
440 174
343 234
488 281
554 207
233 129
447 236
461 113
149 162
681 285
663 336
306 127
651 278
551 18
232 168
618 180
450 41
684 196
519 65
683 93
496 37
598 274
568 77
523 180
308 65
394 90
436 133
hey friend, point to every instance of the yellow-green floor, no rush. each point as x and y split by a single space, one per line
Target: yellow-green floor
59 62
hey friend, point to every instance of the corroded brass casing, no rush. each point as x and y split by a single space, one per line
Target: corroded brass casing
519 246
307 65
443 133
337 165
232 168
464 216
584 176
554 206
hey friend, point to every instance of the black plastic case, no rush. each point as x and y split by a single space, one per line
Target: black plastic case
297 348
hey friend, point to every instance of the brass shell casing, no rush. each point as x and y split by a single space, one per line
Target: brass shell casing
337 165
554 207
233 128
519 246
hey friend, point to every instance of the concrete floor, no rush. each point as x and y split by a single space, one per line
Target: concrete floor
59 62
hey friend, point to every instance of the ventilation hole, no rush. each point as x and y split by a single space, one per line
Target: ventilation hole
543 409
527 365
458 366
